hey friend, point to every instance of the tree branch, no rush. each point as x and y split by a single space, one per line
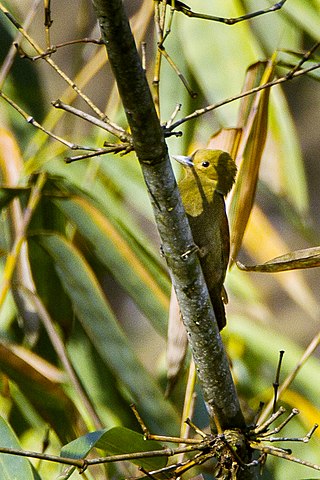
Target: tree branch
149 144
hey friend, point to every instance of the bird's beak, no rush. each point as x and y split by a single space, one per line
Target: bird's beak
187 161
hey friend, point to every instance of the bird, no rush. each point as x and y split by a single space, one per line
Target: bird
208 178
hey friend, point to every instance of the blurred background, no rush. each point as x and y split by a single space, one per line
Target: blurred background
266 312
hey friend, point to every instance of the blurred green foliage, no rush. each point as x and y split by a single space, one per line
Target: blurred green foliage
93 251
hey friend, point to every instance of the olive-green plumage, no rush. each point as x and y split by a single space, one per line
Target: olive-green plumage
209 176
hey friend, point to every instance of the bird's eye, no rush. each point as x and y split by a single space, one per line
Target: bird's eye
205 164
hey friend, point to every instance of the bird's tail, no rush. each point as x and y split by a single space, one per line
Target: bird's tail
219 310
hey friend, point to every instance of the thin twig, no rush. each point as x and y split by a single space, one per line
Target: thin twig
276 382
292 414
8 61
53 48
62 74
109 127
173 115
186 10
305 57
47 21
209 108
263 426
283 454
177 71
160 438
122 148
83 463
32 121
287 382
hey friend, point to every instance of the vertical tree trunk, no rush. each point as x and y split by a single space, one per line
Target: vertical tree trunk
150 147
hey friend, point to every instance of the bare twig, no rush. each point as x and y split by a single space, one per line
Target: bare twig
60 72
209 108
263 426
8 61
84 463
186 10
177 71
53 48
47 20
32 121
122 148
287 382
276 382
283 454
160 438
108 126
292 414
304 58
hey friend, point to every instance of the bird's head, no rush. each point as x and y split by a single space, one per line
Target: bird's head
211 166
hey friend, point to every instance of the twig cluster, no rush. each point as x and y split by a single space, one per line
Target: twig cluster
101 120
227 449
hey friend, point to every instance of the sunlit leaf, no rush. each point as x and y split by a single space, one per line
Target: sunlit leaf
283 162
253 117
307 258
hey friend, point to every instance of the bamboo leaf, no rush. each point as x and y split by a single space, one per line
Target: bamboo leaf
306 258
253 117
305 16
226 139
46 395
116 441
120 440
102 328
262 239
219 40
116 253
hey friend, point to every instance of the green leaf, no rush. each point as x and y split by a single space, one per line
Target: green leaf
306 258
121 440
116 441
102 328
47 396
13 467
115 252
80 447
